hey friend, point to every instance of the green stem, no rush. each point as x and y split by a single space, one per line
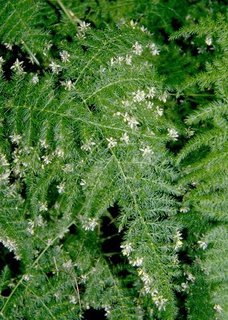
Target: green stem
68 13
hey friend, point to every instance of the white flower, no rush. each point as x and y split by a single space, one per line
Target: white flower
137 48
184 209
208 40
178 240
15 138
160 302
172 133
87 146
82 182
159 111
139 96
17 67
30 227
72 299
132 122
35 79
144 29
61 187
127 249
1 61
59 152
125 138
151 92
68 167
26 277
111 142
137 262
68 85
163 97
55 68
202 245
184 286
46 159
9 46
153 49
83 27
218 308
128 59
146 151
107 310
150 105
89 224
190 277
64 55
133 24
43 206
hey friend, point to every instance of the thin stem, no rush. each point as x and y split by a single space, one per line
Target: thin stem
68 13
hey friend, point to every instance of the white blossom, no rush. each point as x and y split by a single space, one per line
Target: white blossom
172 133
26 277
128 59
43 206
107 310
133 24
17 67
150 105
132 122
55 68
89 224
137 48
68 167
202 245
1 61
61 187
151 93
15 138
178 240
125 138
159 111
139 96
160 302
35 79
126 248
59 152
83 27
30 227
208 40
153 49
146 151
82 182
111 142
87 146
218 308
184 286
190 277
137 262
72 299
184 209
163 97
68 85
46 159
8 46
64 55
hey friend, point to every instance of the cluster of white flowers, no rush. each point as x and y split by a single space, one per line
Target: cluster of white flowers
111 142
8 46
173 134
26 277
137 262
64 56
55 68
130 120
43 206
153 49
68 85
190 277
17 67
151 92
107 310
15 138
160 302
178 240
202 245
159 111
83 27
208 40
139 96
72 299
184 209
38 222
11 246
137 48
88 145
118 60
163 97
4 175
126 249
59 152
47 159
125 138
89 224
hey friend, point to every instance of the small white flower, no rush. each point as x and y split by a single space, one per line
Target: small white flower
30 227
143 29
72 299
68 167
43 206
137 48
202 245
153 49
151 93
139 96
83 27
127 249
46 159
132 122
55 68
17 67
107 310
137 262
172 133
1 61
82 182
160 302
159 111
184 209
8 46
88 145
184 286
150 105
89 224
163 97
68 85
208 40
35 79
26 277
64 55
190 277
59 152
178 240
125 138
61 188
111 142
16 138
128 60
133 24
146 151
218 308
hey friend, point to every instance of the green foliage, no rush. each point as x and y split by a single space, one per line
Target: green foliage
112 187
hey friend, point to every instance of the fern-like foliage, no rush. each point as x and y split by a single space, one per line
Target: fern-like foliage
86 133
204 164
